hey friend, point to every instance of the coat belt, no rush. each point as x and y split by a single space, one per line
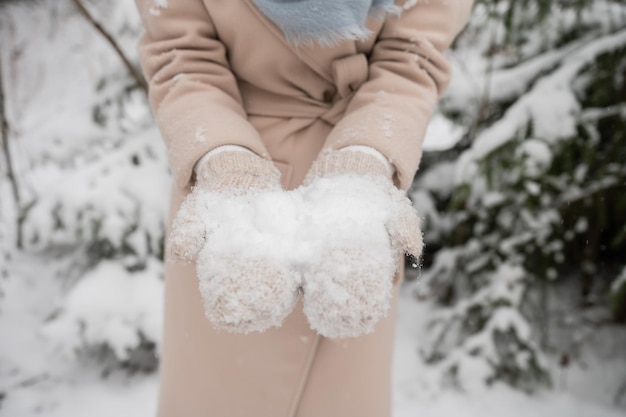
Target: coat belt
349 73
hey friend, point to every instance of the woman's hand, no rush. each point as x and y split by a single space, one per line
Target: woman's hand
366 224
237 223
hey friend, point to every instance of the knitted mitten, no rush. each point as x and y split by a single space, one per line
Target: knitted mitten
228 223
367 223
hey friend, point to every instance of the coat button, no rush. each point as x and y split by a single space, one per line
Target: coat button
328 96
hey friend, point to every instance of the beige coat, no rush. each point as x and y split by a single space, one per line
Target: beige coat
221 73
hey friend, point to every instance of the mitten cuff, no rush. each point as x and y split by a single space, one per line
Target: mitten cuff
233 171
215 151
391 170
339 162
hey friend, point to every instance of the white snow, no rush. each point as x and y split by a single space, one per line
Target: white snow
550 105
89 193
342 223
492 198
156 7
619 282
417 390
537 156
442 134
409 4
110 306
37 381
200 135
439 179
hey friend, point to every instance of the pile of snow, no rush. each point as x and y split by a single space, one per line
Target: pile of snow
112 307
336 238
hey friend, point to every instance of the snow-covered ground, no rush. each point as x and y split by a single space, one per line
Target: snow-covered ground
37 380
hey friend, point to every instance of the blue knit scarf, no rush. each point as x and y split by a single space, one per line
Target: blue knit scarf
324 21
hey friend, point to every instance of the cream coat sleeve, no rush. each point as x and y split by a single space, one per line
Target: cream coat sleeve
407 74
193 92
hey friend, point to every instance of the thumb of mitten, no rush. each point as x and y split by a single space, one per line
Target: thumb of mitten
187 234
404 226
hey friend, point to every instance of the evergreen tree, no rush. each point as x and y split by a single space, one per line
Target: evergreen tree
538 196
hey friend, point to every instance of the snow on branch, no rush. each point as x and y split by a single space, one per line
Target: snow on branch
551 105
110 307
139 80
119 198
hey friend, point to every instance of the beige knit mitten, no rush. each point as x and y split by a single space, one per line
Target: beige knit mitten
225 224
368 223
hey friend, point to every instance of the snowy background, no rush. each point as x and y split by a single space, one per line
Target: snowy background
520 307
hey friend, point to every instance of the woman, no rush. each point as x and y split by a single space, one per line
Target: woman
323 97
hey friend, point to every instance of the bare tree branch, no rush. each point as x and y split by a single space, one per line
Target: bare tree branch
129 66
6 151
